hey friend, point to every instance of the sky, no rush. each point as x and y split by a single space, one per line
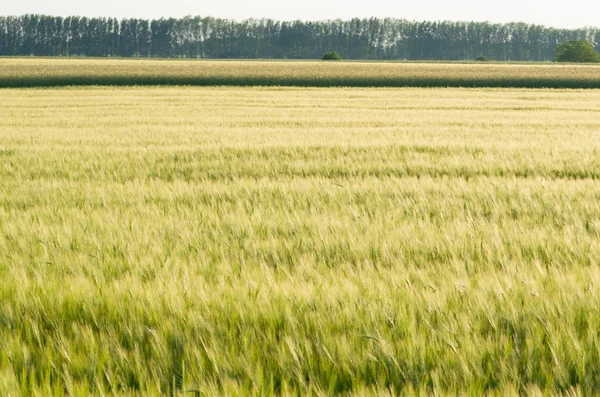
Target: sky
556 13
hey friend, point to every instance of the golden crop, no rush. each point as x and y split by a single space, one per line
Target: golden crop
61 72
286 241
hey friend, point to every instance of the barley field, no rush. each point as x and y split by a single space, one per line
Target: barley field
159 241
44 72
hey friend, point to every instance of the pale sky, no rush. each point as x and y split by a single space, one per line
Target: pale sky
562 14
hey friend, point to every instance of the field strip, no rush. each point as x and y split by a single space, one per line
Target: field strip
53 72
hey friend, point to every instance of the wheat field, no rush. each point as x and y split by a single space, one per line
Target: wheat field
299 241
48 72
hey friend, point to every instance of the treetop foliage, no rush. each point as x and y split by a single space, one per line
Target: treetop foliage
206 37
576 51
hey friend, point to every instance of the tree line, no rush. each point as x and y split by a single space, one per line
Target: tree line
207 37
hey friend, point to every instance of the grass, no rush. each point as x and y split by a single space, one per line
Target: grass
285 241
54 72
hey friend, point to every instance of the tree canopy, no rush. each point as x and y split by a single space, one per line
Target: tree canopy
331 56
576 51
206 37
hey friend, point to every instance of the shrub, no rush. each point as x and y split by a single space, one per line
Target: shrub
576 51
482 58
332 56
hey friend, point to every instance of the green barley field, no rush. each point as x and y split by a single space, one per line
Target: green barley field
261 241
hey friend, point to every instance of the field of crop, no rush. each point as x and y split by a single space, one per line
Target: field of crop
68 72
289 241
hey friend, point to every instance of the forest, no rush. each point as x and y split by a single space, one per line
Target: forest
207 37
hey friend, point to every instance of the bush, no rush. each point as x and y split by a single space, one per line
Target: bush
332 56
482 58
576 51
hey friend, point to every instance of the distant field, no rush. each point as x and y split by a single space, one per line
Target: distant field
64 72
262 241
